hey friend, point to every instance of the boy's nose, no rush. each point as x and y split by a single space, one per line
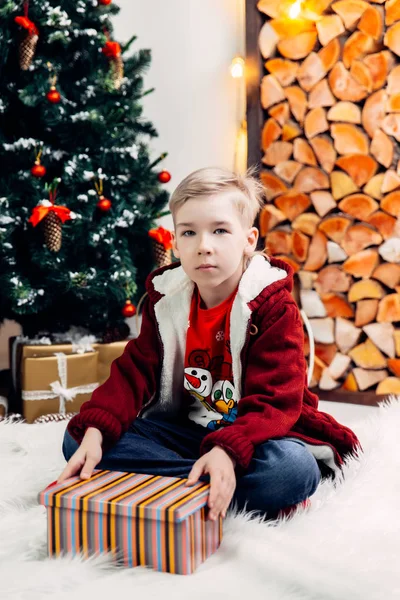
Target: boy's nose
204 246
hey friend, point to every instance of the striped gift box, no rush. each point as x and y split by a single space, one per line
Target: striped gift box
141 519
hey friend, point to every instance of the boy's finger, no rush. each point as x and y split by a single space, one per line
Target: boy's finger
88 468
214 500
225 497
215 485
69 471
194 474
219 504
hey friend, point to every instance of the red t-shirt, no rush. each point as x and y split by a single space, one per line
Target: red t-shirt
208 380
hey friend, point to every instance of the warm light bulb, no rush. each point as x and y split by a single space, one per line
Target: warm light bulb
237 67
295 9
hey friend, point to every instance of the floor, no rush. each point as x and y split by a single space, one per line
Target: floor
344 547
347 414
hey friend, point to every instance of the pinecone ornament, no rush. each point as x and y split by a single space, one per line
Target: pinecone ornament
162 257
28 40
52 216
27 48
52 226
113 52
117 71
161 241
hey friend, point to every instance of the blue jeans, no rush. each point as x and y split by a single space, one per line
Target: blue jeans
282 472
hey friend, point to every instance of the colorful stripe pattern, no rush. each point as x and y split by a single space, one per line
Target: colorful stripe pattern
142 519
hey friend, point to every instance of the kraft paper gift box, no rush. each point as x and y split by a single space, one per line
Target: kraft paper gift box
20 350
141 519
107 354
60 383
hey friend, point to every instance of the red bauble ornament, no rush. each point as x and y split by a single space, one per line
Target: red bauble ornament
129 309
164 176
53 96
105 2
104 204
38 170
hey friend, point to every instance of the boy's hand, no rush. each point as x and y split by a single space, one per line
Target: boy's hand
86 457
221 468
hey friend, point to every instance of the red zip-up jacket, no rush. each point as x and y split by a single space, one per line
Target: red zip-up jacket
269 369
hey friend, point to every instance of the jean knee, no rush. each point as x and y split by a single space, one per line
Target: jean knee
311 472
302 472
285 475
301 469
69 446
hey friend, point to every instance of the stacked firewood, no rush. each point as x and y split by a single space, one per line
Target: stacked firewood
331 101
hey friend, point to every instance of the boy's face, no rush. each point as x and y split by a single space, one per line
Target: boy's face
210 239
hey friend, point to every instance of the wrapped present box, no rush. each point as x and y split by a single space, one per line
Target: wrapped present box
22 354
107 354
141 519
60 383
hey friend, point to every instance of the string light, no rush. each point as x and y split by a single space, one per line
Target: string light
295 10
237 67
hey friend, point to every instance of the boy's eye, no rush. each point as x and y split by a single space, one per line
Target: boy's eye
190 233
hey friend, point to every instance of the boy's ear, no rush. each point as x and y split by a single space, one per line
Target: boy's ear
174 246
252 239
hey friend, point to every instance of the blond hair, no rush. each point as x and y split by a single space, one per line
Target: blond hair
211 181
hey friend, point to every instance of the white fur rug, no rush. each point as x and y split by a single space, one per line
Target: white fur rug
347 546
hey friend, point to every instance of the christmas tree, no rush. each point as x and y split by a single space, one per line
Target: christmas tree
78 191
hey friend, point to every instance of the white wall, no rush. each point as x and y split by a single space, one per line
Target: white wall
195 104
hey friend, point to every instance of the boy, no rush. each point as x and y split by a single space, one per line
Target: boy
215 384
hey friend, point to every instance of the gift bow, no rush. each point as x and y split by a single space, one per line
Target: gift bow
59 388
40 212
83 345
163 236
27 24
111 49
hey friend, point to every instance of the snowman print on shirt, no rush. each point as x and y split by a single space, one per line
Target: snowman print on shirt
198 382
218 402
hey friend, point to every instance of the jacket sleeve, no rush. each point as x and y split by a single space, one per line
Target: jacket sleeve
273 386
132 382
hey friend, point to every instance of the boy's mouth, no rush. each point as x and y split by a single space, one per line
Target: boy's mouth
205 267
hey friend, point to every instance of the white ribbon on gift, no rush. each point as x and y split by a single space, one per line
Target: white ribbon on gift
59 388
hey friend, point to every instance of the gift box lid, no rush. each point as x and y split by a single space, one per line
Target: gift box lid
128 494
